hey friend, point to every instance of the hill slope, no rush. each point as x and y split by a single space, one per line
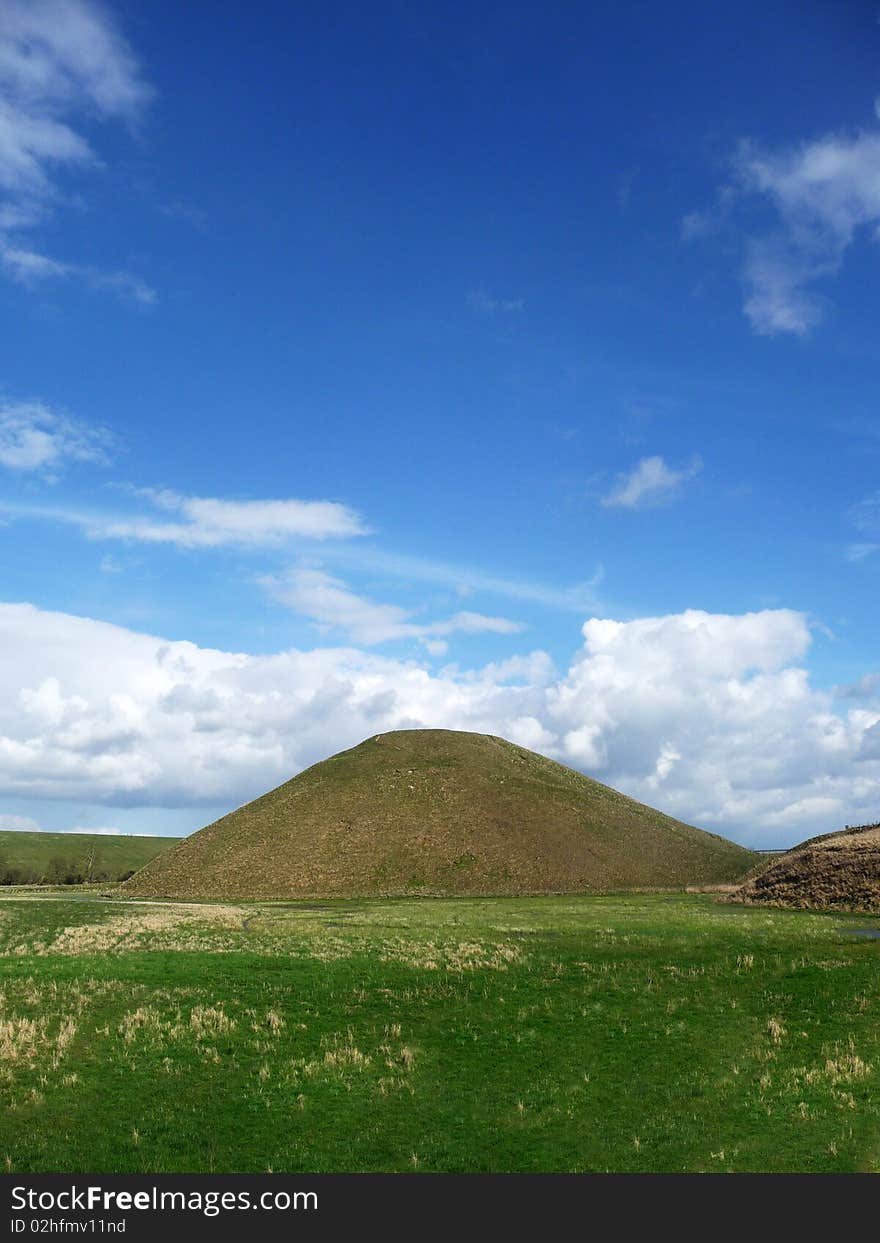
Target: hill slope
440 812
839 871
30 858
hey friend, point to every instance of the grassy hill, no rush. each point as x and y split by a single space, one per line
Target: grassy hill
439 812
65 858
837 871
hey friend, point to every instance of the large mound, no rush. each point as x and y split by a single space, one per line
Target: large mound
439 812
838 871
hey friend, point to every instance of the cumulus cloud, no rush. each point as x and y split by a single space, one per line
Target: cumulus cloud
709 717
332 605
35 438
62 63
651 482
823 194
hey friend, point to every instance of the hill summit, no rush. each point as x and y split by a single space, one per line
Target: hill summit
837 871
433 811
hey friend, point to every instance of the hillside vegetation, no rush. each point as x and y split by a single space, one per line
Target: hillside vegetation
71 858
439 812
835 871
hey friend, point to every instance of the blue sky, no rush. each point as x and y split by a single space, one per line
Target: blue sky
360 366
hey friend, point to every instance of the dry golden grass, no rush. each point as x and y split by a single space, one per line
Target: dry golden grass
166 927
837 871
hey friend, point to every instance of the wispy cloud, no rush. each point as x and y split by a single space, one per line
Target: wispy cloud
179 210
776 299
651 482
29 268
865 517
581 597
823 192
865 514
35 438
209 522
59 60
332 605
481 301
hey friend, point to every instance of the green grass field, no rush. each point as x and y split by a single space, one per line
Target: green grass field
636 1033
34 858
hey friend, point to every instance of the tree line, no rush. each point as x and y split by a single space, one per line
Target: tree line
59 870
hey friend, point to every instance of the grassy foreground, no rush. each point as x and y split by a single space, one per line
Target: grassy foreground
34 858
636 1033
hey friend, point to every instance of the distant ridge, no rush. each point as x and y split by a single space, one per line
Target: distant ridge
30 857
439 812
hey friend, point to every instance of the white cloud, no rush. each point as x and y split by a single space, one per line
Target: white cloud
823 193
27 267
35 438
57 53
210 522
824 190
650 482
775 276
710 717
476 623
330 603
29 145
61 61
